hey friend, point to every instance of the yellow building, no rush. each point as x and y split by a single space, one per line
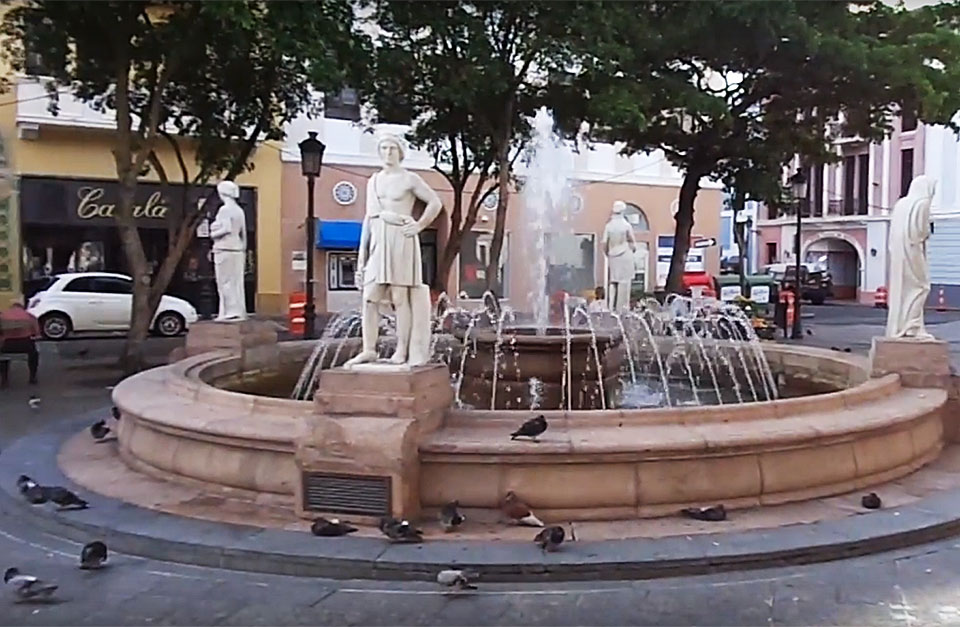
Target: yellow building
58 216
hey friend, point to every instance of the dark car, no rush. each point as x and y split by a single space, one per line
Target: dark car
816 284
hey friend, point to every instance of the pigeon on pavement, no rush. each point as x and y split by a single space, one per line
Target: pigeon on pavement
711 514
93 556
550 538
871 501
518 511
332 528
531 428
400 531
459 579
28 587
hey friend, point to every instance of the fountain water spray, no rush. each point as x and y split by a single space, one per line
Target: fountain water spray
546 194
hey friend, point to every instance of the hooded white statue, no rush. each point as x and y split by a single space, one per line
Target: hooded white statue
389 259
229 233
619 245
909 272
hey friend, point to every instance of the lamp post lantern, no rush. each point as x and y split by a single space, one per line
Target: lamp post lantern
311 158
798 185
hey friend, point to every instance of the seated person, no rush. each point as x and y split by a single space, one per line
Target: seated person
599 302
18 332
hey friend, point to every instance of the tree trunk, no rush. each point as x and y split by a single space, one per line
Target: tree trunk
496 246
681 240
131 359
500 223
450 253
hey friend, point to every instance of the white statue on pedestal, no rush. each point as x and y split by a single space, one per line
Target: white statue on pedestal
619 245
389 257
229 234
909 272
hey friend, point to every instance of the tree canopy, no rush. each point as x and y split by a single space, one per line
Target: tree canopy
468 75
210 78
733 90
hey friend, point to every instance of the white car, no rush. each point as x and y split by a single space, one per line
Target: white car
101 301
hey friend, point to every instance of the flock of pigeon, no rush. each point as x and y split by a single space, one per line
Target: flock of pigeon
93 556
549 538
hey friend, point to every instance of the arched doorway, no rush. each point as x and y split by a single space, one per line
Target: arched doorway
843 262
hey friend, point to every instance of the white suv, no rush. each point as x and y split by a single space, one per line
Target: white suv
101 301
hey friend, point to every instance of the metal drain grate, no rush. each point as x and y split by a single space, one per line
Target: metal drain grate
364 495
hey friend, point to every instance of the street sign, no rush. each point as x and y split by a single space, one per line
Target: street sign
705 243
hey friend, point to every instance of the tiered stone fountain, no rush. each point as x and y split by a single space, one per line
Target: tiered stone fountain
650 410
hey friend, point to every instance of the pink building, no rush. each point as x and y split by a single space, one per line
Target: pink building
849 210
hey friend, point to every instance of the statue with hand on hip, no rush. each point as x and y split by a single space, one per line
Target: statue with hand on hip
619 245
909 271
389 259
229 234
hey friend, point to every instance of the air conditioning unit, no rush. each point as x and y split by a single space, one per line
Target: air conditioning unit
28 131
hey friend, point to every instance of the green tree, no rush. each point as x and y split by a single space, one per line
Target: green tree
469 75
217 78
733 90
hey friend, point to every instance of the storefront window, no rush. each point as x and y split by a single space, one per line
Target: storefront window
342 271
570 263
474 257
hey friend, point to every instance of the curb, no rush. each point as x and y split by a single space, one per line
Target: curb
155 535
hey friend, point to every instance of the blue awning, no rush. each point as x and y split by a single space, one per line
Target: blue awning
338 234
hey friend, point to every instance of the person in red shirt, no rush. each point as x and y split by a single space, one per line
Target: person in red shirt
19 330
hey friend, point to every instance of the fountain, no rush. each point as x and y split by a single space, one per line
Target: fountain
651 409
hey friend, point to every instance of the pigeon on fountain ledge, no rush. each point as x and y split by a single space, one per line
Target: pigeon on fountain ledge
531 428
450 516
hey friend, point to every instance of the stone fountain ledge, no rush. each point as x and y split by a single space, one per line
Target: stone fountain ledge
921 508
590 465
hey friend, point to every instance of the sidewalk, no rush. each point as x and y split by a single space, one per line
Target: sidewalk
75 376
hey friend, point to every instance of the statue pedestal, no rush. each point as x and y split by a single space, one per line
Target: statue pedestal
360 456
255 341
920 363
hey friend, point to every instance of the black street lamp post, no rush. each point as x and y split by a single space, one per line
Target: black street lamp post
311 158
798 185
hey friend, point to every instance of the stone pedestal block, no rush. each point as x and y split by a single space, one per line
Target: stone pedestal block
255 341
360 457
920 363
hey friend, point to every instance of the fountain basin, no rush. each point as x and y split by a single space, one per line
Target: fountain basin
591 464
524 355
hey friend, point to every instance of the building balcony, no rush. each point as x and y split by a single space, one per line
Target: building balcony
34 108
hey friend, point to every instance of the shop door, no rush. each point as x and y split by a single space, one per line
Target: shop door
115 296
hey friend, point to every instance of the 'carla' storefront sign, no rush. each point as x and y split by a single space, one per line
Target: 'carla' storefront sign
85 202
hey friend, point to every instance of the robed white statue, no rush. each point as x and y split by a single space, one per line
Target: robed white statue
229 234
909 271
619 245
389 258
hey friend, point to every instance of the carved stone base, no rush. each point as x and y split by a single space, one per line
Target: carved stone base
255 341
920 363
366 433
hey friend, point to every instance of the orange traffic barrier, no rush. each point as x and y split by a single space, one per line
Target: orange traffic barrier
880 297
786 296
298 305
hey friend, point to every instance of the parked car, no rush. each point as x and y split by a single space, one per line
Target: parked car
816 283
101 301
